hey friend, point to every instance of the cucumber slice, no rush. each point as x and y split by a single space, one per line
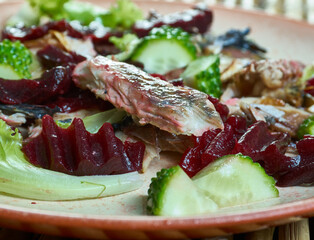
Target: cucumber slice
165 49
173 193
307 127
235 179
7 72
204 74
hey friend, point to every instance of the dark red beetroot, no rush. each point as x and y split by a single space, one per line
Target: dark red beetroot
194 20
304 171
52 56
77 99
310 87
260 144
221 108
77 152
266 147
53 82
98 34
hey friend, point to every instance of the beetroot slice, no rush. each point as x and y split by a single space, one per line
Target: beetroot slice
309 87
98 34
221 108
77 99
53 82
194 20
75 151
52 56
266 147
221 145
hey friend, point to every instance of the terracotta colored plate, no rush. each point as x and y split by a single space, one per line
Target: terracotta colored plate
124 216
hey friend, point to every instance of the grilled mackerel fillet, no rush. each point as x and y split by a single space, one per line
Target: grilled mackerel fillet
148 99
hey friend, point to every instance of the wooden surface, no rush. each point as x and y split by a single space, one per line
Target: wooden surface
301 230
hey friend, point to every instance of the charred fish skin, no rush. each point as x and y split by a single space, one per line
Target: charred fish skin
151 100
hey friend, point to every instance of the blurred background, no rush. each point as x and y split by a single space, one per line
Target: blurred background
296 9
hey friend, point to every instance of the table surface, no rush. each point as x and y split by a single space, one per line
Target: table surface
301 230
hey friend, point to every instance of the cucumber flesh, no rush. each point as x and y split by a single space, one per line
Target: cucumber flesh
195 67
7 72
173 193
235 180
162 55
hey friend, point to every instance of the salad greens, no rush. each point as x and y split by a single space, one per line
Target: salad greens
127 44
20 178
15 60
121 15
204 75
94 122
308 73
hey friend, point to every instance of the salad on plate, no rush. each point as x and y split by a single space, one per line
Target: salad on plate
90 97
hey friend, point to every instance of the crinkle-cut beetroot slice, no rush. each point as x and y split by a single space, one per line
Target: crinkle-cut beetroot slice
52 56
221 145
53 82
77 152
135 151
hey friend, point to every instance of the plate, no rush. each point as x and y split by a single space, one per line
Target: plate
123 216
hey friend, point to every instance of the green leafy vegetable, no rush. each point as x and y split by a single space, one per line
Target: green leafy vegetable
235 179
82 11
123 42
15 60
204 75
94 122
308 73
53 9
20 178
306 128
172 193
123 14
165 49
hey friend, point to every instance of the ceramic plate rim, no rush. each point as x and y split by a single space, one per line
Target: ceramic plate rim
296 209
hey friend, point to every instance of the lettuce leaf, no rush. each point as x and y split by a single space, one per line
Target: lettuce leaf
20 178
124 14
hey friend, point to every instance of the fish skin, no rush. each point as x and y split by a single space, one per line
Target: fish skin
149 100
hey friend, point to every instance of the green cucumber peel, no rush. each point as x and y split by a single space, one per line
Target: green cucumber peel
165 49
204 74
306 127
172 193
15 61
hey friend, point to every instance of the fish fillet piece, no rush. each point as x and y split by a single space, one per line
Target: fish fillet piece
148 99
